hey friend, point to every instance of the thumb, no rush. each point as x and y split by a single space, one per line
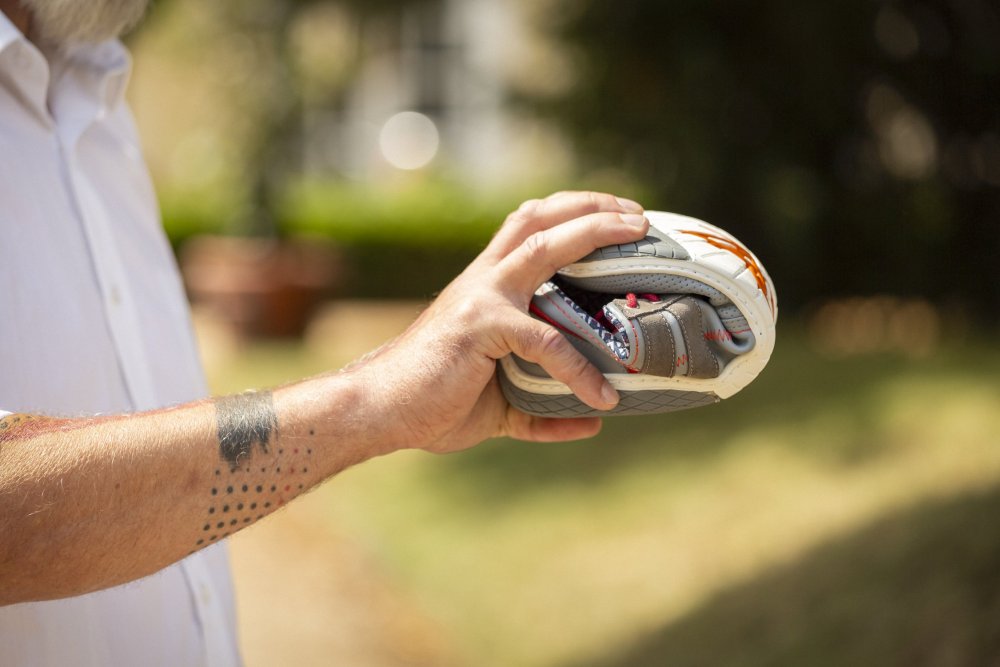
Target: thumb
544 345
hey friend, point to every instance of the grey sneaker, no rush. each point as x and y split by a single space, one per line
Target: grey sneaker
684 318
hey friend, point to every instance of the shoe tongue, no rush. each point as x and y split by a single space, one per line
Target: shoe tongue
621 314
674 335
652 333
666 335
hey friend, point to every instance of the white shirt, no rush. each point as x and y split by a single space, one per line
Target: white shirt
93 319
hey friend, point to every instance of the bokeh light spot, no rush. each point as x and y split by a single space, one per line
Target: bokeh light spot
409 140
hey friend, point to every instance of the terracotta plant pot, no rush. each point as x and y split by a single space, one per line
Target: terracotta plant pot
262 287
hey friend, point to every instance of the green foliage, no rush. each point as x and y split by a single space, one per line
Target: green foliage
186 216
407 242
425 213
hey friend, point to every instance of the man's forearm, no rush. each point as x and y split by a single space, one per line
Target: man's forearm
86 504
90 503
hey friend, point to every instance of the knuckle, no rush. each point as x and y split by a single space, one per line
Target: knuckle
525 212
466 312
536 250
536 247
529 206
551 344
603 223
605 201
566 363
473 309
592 202
613 220
589 201
577 367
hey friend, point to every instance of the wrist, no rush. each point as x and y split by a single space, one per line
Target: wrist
339 412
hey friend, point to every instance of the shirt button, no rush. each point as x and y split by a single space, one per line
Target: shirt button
204 595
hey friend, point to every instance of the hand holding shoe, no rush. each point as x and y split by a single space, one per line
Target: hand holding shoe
435 386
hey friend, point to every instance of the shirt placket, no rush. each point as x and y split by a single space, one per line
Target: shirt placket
123 324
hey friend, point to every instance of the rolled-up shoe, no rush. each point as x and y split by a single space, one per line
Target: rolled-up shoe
684 318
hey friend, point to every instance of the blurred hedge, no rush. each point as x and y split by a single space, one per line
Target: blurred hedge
397 242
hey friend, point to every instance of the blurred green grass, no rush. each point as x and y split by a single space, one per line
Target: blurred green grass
838 511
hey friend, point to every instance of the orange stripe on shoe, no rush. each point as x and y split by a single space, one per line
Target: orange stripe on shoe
744 255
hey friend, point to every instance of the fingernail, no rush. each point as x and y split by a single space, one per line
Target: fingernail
629 205
634 220
609 394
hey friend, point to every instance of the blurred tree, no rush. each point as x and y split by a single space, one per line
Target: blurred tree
272 104
854 144
278 144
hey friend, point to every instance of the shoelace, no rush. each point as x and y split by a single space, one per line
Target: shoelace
632 299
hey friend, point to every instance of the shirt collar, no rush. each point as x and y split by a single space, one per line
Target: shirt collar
8 32
98 73
23 71
100 70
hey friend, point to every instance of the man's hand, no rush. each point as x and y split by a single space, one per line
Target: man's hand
435 386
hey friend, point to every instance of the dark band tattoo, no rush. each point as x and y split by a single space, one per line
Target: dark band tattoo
266 470
244 420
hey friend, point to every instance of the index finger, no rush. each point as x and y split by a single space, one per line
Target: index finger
540 214
543 253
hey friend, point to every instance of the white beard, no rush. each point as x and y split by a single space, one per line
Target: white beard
63 23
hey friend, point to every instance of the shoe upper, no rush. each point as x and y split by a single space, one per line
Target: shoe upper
661 335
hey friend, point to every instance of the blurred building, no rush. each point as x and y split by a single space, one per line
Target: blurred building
431 89
316 89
